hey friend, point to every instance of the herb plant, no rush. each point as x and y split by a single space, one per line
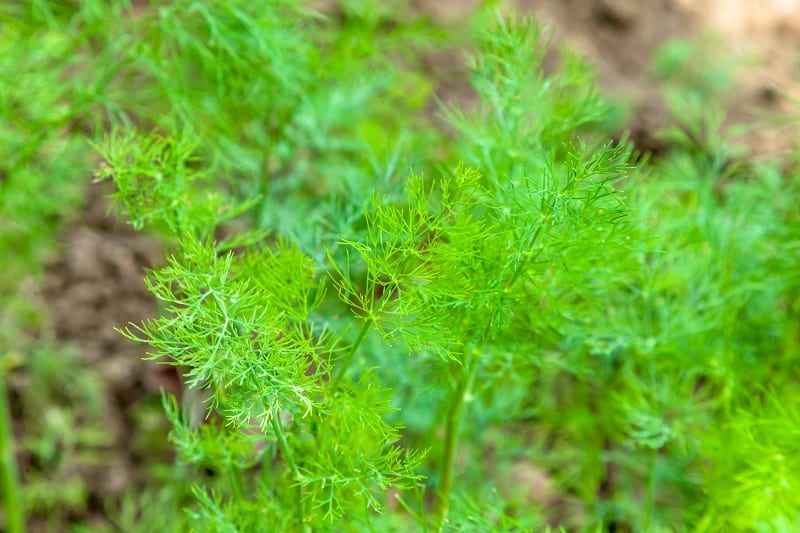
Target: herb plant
467 272
381 323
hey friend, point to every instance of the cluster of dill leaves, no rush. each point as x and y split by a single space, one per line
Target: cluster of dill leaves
382 317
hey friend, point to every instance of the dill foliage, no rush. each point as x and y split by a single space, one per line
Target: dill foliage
361 303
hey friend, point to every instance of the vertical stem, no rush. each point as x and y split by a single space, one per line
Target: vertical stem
15 522
453 425
237 483
350 355
286 451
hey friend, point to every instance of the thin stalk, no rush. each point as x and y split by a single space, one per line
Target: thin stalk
452 428
15 521
237 483
283 443
350 355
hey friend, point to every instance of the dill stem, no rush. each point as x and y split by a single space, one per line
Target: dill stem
350 355
14 520
286 451
236 482
453 425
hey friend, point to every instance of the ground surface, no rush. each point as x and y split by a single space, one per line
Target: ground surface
96 284
620 38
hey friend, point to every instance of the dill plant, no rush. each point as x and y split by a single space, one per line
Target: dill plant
470 272
359 333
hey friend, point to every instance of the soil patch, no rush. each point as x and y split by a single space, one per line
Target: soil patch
97 285
620 38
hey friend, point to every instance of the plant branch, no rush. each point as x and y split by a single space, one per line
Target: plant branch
277 427
237 483
350 355
453 425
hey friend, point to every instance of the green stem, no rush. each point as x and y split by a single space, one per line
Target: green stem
15 522
237 482
350 355
452 428
283 442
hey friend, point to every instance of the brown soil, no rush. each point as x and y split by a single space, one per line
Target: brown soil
620 38
97 285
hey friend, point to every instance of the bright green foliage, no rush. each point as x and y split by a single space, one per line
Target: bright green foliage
477 269
524 285
240 325
701 330
291 107
525 116
755 482
378 323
